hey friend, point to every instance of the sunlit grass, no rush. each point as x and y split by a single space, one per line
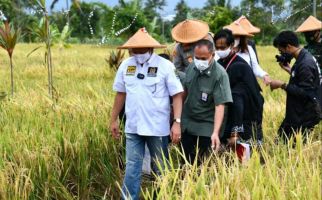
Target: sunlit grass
66 152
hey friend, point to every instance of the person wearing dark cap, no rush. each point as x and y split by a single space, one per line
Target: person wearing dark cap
302 90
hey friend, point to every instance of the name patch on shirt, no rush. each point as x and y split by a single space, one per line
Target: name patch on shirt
130 71
152 71
204 96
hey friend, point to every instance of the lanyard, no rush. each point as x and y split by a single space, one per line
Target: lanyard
233 58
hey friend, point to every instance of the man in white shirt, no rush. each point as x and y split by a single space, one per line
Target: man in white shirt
144 83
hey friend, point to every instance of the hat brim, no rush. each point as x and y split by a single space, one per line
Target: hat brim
307 30
142 47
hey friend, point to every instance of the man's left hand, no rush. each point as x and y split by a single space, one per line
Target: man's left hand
175 133
215 142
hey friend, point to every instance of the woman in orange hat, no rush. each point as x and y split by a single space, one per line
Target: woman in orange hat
245 51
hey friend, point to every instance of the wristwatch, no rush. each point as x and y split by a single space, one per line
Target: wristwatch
284 86
178 120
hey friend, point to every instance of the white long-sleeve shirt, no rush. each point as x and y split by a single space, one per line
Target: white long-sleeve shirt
250 58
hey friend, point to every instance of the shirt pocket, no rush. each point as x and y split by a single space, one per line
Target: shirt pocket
156 87
206 96
130 85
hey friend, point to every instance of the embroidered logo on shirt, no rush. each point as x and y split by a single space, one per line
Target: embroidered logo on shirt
130 71
152 71
204 96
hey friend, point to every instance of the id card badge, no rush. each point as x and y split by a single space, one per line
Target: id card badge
204 96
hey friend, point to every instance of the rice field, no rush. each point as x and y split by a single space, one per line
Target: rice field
63 149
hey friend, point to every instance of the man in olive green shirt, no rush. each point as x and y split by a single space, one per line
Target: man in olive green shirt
207 90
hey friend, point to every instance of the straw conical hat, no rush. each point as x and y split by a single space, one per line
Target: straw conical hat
237 29
141 39
189 31
310 24
247 26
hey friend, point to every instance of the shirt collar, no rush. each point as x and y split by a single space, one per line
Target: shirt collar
150 61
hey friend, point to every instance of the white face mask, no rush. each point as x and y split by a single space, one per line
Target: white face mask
201 64
236 43
142 58
223 53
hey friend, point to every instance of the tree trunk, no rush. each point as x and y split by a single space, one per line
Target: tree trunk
49 66
11 75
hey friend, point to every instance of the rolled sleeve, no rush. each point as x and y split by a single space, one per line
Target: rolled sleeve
258 71
173 82
222 92
119 85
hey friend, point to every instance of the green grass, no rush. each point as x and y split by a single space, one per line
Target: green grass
66 151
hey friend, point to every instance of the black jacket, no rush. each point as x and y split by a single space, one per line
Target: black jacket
302 107
246 92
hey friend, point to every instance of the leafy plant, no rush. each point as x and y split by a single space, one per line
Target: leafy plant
49 34
8 40
115 59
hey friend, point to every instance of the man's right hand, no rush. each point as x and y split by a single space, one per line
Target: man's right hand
114 127
287 67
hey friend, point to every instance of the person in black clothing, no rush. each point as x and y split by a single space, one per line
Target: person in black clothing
244 113
302 90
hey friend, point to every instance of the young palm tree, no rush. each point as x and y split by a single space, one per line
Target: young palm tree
49 34
8 40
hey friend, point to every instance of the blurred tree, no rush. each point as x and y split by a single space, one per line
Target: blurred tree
219 17
182 10
80 20
129 18
152 8
16 13
302 9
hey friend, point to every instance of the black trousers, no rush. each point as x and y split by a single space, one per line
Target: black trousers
191 144
287 131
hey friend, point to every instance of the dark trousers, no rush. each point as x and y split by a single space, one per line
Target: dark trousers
192 144
287 131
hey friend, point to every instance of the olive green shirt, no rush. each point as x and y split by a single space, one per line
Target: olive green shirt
205 90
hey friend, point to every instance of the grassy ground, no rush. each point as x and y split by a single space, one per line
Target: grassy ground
65 151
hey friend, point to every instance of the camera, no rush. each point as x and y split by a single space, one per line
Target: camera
283 59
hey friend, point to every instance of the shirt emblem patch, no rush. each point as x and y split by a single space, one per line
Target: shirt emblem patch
130 71
152 71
